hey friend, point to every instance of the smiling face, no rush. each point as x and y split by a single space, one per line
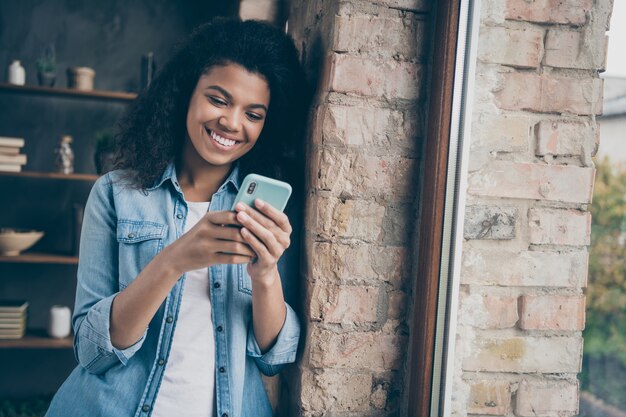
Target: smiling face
226 114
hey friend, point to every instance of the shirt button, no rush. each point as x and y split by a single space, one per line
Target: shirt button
225 415
220 328
161 362
222 369
131 235
169 319
145 408
217 285
179 216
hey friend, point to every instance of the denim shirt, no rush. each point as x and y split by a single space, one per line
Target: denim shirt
123 229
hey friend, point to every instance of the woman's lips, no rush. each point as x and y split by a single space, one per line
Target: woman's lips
221 142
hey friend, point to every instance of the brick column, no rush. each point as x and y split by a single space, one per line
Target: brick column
527 222
363 174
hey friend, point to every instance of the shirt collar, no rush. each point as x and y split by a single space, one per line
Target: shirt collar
169 173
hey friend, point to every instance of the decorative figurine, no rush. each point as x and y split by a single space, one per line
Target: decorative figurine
64 155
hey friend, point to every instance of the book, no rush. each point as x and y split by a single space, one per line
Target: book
20 324
8 141
9 150
19 159
13 306
12 334
10 167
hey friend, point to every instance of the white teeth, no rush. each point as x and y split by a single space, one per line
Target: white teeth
221 140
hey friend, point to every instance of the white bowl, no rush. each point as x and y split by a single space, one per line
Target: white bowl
13 241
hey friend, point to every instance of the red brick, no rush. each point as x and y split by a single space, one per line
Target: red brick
549 399
525 354
345 304
413 5
561 138
487 311
573 12
367 77
559 227
384 36
501 133
533 181
514 47
483 266
552 312
575 49
335 390
334 218
366 127
357 350
353 173
343 263
489 398
549 94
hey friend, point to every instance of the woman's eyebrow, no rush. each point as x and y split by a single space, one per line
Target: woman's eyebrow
230 97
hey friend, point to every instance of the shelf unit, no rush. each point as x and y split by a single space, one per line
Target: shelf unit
50 175
67 92
39 258
37 339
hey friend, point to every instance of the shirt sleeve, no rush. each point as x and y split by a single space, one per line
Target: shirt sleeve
98 284
285 348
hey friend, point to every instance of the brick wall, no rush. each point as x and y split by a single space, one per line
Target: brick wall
521 309
364 141
527 228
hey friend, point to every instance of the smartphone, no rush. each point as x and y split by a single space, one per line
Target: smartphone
274 192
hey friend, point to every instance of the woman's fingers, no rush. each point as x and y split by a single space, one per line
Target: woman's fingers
277 216
223 258
226 233
234 248
223 218
259 248
264 235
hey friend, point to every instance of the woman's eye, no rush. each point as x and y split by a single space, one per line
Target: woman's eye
254 117
217 101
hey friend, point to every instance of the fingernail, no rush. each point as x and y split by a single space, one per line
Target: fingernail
240 206
260 203
242 216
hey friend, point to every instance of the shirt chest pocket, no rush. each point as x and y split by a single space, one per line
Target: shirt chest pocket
138 241
245 282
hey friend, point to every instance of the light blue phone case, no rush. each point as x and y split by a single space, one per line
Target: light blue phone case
275 193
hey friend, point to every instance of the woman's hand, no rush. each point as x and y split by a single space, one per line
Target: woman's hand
215 239
267 231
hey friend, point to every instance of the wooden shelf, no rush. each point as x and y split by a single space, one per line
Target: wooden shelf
50 175
37 339
39 258
67 92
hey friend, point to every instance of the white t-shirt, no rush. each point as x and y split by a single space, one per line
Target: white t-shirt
188 382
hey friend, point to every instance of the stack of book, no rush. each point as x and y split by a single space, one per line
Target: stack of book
13 319
11 159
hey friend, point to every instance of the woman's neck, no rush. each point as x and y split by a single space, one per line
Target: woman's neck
200 181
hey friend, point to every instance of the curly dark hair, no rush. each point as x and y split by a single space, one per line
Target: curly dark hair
153 132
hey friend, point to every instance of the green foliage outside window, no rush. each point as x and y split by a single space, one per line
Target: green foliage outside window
605 330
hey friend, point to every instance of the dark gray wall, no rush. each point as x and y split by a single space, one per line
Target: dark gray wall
110 37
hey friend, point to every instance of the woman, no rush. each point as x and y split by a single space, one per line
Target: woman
179 300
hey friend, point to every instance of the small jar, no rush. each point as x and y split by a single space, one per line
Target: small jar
60 323
17 75
64 161
80 78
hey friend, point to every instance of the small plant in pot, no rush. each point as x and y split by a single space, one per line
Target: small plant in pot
46 67
104 157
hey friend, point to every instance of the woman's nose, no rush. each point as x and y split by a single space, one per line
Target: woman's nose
230 121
